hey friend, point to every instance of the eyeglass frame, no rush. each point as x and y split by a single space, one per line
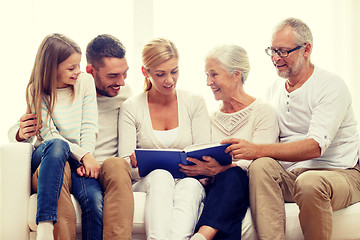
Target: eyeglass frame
277 51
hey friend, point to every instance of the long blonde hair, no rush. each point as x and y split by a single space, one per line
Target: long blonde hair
53 50
156 52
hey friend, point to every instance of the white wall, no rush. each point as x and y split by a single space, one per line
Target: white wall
194 26
24 23
355 57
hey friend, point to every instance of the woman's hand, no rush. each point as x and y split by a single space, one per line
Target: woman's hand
91 167
133 160
207 167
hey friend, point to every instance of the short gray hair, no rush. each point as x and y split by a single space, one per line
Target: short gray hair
302 32
232 58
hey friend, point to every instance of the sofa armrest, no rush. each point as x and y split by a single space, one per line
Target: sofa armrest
15 160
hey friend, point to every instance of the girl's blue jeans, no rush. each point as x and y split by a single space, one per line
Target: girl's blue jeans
52 155
88 192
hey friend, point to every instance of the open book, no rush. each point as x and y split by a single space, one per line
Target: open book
169 159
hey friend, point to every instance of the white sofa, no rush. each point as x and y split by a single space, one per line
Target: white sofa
18 208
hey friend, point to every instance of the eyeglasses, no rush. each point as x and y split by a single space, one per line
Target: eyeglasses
282 52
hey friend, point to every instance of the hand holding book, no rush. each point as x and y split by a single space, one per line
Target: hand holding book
208 166
169 159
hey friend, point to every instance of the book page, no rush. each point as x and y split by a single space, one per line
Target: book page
201 146
160 149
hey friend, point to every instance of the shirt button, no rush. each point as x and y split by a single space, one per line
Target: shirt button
287 103
325 137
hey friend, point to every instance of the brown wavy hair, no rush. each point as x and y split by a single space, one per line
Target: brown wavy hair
53 50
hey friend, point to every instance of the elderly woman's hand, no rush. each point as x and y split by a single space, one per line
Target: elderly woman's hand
207 167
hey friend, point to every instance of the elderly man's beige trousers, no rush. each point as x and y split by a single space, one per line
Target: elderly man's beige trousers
317 193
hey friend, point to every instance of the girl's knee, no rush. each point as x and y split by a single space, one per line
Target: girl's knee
57 149
58 144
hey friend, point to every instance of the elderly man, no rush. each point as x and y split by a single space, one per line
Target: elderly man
316 162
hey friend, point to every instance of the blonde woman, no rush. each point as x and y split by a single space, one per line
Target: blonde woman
164 117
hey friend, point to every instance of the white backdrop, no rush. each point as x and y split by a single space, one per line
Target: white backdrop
195 26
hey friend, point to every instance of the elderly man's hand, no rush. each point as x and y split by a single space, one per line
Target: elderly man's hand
241 149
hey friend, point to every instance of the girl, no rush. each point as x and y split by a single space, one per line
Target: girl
63 103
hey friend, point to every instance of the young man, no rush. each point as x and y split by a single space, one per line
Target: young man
106 60
318 150
107 64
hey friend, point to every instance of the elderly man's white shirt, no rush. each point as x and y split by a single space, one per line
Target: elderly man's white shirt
320 109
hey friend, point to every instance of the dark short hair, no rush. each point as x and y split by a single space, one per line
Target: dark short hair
104 45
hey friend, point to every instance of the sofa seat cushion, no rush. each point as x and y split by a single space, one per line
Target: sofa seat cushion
346 221
138 221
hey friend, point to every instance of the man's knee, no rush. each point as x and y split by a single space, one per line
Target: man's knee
115 170
261 165
115 164
311 185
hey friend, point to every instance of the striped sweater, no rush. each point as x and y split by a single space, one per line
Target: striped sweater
74 120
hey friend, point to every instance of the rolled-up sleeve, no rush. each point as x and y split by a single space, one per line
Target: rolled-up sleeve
328 114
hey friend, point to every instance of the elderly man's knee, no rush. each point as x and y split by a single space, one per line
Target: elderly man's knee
260 165
310 185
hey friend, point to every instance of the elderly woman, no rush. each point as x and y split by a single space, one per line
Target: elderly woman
164 117
241 116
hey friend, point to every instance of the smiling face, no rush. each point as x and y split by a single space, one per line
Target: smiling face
68 71
164 77
290 66
222 83
110 77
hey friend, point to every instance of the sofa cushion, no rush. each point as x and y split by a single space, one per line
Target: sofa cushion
346 221
138 221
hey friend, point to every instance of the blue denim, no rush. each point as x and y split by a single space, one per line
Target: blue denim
52 155
89 193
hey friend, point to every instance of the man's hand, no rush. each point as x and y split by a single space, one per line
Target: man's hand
208 167
241 149
27 127
91 167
